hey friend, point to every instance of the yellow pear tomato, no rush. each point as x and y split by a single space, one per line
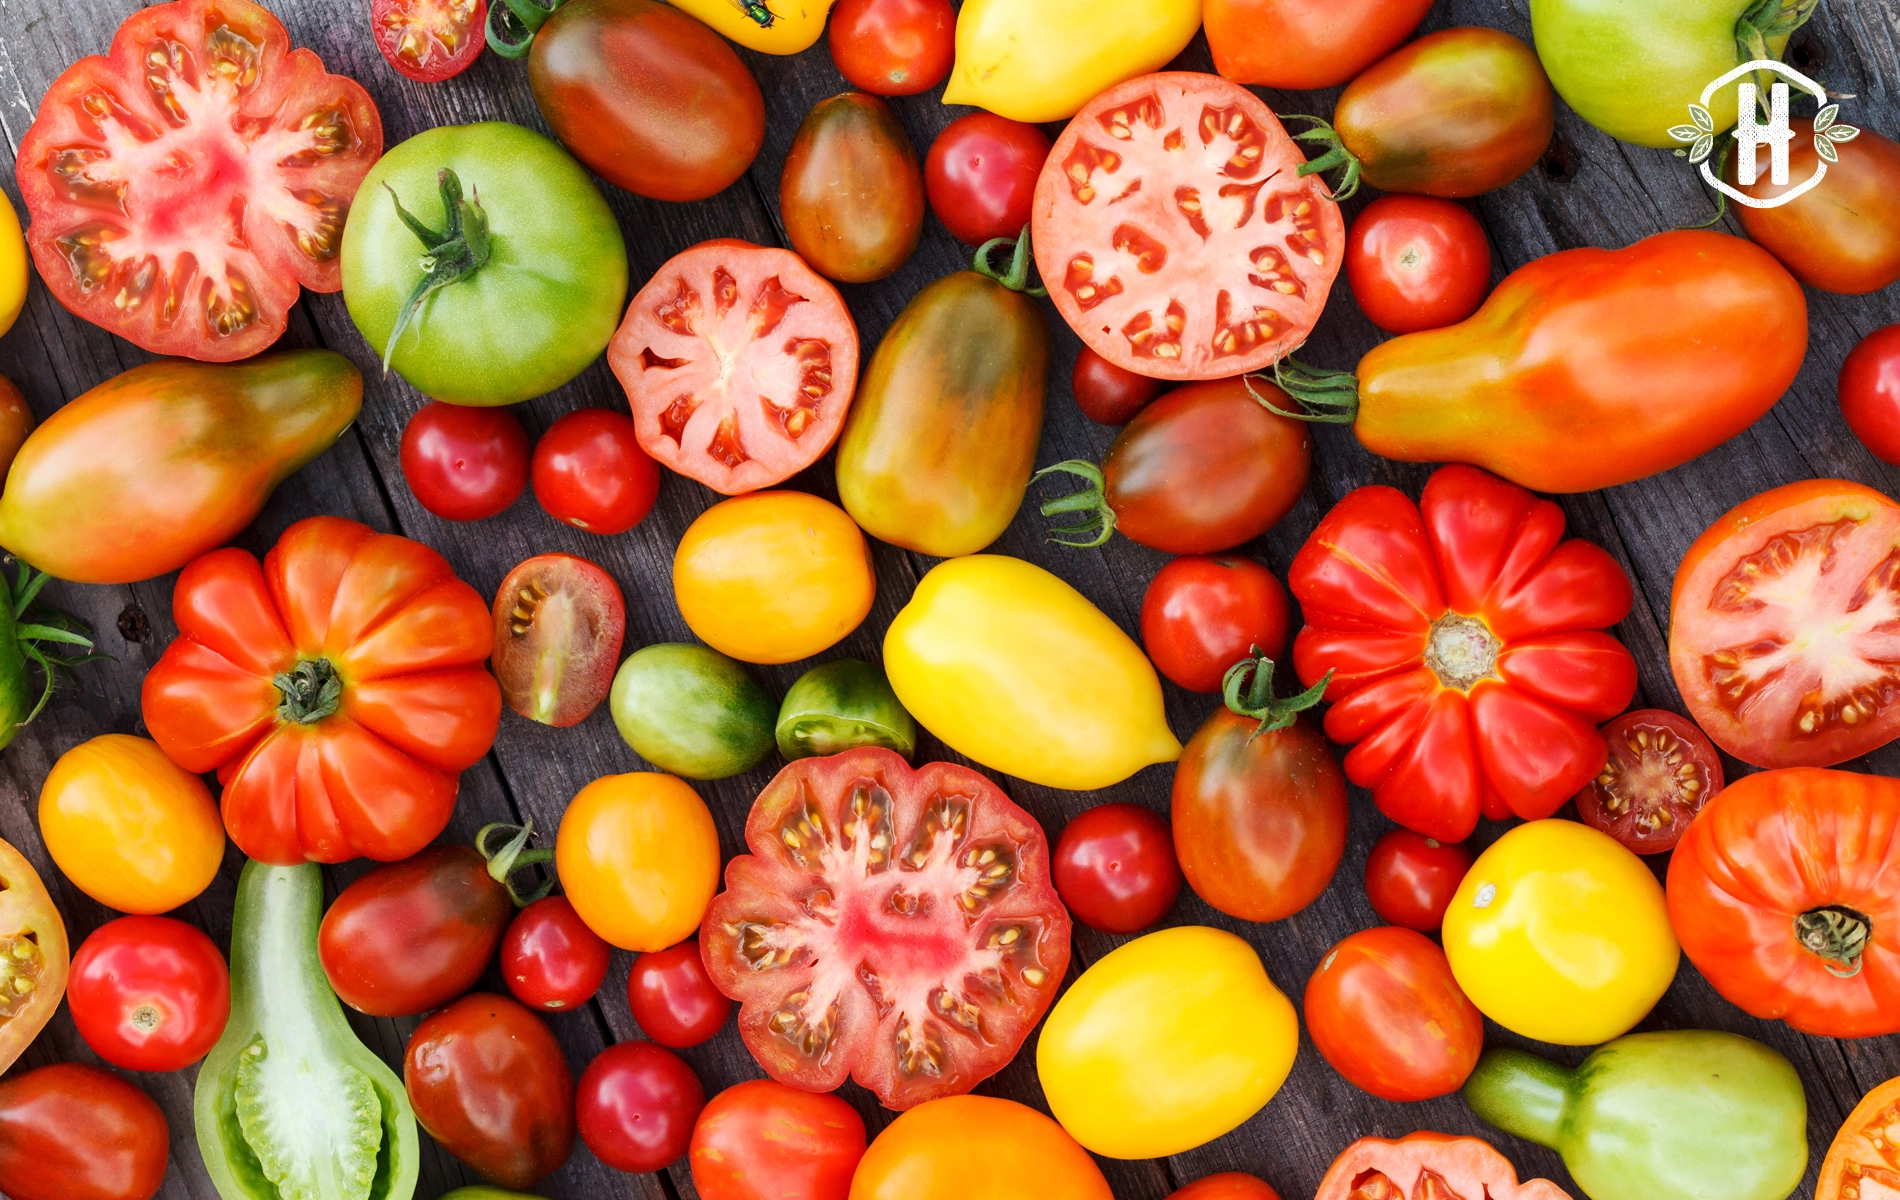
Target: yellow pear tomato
638 856
770 26
1560 934
12 265
1043 60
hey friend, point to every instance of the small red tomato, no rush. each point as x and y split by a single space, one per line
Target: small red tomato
464 464
1228 1185
1202 614
981 175
550 958
149 993
429 40
73 1132
764 1140
1384 1010
1108 394
1870 393
673 998
590 472
1411 878
1417 262
1114 867
1662 769
894 47
636 1105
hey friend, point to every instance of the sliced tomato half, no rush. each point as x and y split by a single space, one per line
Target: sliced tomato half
430 40
896 926
1175 235
739 364
185 184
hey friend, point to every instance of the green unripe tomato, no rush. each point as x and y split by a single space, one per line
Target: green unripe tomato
840 706
692 711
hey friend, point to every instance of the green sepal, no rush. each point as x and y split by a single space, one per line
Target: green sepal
451 255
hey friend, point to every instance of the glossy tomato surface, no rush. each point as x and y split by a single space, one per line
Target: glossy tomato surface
73 1132
1410 878
638 856
550 959
1108 394
1228 1185
1660 773
636 1104
429 40
465 464
1841 236
673 998
1201 615
559 625
959 1146
1081 48
692 711
1114 867
1305 44
761 1140
1869 392
893 47
980 176
33 956
149 993
1384 1010
852 194
1417 262
590 472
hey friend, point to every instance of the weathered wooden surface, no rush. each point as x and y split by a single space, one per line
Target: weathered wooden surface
1593 191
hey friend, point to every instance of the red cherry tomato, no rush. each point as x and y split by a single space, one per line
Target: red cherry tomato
636 1105
1201 615
1108 394
1411 879
1228 1185
674 999
590 472
73 1132
763 1140
1384 1010
1870 392
1417 262
430 40
1660 773
149 993
981 175
465 464
1114 867
894 47
550 959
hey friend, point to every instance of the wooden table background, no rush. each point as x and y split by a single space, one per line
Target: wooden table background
1590 191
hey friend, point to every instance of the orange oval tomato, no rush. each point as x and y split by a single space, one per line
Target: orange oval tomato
16 421
34 956
1842 236
1384 1010
1864 1147
964 1146
638 857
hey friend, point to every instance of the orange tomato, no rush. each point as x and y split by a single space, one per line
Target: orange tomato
638 857
1864 1148
964 1146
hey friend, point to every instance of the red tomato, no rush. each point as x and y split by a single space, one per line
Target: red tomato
1201 615
673 998
1840 237
1411 878
894 47
1305 44
1175 234
559 626
1445 1167
550 959
823 884
149 993
761 1140
72 1132
429 40
636 1106
1385 1011
1114 867
1417 262
981 175
465 464
132 209
591 472
1228 1185
1108 394
1870 392
1662 770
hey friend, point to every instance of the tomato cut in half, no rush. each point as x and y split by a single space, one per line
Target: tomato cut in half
1660 773
182 186
1863 1149
34 956
739 364
430 40
1175 234
559 624
1783 631
896 926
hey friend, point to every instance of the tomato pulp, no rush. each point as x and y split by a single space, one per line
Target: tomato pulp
1660 773
429 40
559 625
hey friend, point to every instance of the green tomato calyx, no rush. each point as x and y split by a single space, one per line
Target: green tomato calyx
311 691
27 623
1324 397
1248 689
1098 519
449 256
1333 156
1016 276
1765 20
514 856
1838 935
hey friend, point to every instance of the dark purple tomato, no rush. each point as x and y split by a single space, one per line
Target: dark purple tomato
551 960
636 1106
1411 878
590 472
1114 867
894 47
981 176
673 998
852 195
1108 394
465 464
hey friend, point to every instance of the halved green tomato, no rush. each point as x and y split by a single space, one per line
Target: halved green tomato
841 706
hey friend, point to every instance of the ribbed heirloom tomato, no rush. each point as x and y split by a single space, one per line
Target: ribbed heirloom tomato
1428 1166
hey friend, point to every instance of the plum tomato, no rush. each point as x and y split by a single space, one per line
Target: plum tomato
73 1132
761 1140
1201 615
464 464
896 926
1114 867
149 993
1411 878
1108 394
1228 1185
429 40
559 625
894 47
1838 238
550 959
852 195
1870 393
1384 1010
673 998
981 175
638 856
636 1105
1417 262
1306 44
34 957
591 472
692 711
1660 773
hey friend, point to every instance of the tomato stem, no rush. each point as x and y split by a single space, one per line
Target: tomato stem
1098 525
450 256
512 25
1333 155
1766 19
1838 935
1016 278
514 856
25 623
1325 397
1248 689
311 691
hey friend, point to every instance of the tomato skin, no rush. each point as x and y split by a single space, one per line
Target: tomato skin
73 1132
692 711
673 998
841 705
33 940
1092 45
788 32
1201 615
1837 237
1869 392
980 176
964 1146
1465 1166
490 1083
1384 1010
1662 770
1417 262
1411 879
550 960
1228 1185
425 50
852 195
893 47
1108 394
13 273
149 993
464 464
559 625
591 472
638 856
761 1140
636 1105
1114 867
1305 44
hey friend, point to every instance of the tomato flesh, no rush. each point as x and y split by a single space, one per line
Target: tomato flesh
1660 773
430 40
559 625
33 955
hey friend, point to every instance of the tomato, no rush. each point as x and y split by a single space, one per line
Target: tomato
1108 394
636 1106
1384 1010
852 195
751 394
13 273
839 706
136 161
490 1083
1202 615
1436 1164
1417 262
1661 771
1863 1146
1305 44
1838 237
149 993
73 1132
16 419
1195 265
337 689
981 174
1228 1185
1869 391
1114 867
550 959
429 40
33 957
464 464
1410 879
894 47
918 976
1083 48
986 656
591 472
1560 934
771 26
638 856
692 711
559 624
963 1146
129 828
673 998
1463 640
650 99
761 1140
773 577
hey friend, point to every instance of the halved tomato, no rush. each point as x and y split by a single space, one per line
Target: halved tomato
559 625
1864 1151
1660 773
34 956
1784 629
1175 234
183 186
893 925
739 364
430 40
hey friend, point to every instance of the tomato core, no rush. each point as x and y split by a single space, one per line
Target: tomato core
311 691
1838 935
1462 650
20 965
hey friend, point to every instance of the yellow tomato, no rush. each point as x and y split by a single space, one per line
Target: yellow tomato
638 857
773 577
130 828
1042 60
1561 934
772 26
1014 668
970 1146
1166 1044
12 265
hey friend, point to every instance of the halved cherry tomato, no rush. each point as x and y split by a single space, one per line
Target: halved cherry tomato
429 40
559 625
1428 1166
761 1140
1202 615
1108 394
1869 392
981 176
1411 878
894 47
636 1104
550 959
149 993
1864 1146
1384 1010
73 1132
1228 1185
1661 771
591 472
673 998
1305 44
1114 867
33 956
465 464
1417 262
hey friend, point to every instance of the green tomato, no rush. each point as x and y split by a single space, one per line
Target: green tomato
840 706
522 301
692 711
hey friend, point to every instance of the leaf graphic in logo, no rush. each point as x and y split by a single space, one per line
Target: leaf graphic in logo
1703 147
1824 139
1842 133
1684 133
1825 148
1825 117
1703 120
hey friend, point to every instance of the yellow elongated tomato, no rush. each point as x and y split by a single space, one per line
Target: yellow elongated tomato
1562 935
961 1147
12 265
129 827
773 577
1014 668
1043 60
638 857
1166 1044
770 26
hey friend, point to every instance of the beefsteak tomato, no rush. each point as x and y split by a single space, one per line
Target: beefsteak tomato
1305 44
34 956
1842 236
1428 1166
1867 1147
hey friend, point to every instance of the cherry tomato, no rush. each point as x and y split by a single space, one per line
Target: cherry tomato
1411 878
1202 615
559 625
590 472
73 1132
1870 392
981 175
636 1106
762 1140
550 959
673 998
429 40
465 464
894 47
149 993
1228 1185
1384 1010
1417 262
1114 867
1108 394
1661 771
